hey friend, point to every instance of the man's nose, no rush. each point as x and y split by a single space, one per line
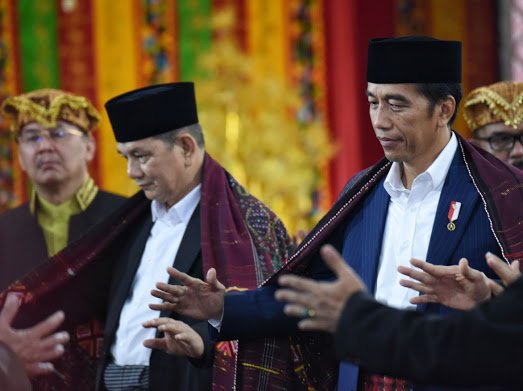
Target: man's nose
44 143
133 169
380 118
517 149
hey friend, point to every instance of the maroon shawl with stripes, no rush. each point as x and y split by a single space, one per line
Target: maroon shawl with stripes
242 238
246 243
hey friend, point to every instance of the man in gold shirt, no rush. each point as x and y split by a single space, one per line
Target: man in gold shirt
53 131
494 114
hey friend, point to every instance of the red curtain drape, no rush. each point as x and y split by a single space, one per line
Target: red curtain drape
348 27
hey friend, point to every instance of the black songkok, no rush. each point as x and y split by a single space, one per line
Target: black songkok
413 59
152 110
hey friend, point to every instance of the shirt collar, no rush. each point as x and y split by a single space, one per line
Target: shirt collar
81 199
435 174
179 212
61 212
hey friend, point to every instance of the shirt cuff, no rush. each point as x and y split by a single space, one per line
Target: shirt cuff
217 323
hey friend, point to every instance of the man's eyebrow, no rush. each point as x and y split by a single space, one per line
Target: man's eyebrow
397 97
124 153
30 128
137 151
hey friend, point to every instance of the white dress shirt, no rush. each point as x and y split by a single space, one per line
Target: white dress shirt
160 251
409 223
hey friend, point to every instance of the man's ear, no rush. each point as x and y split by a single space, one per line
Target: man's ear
21 161
187 143
90 146
447 107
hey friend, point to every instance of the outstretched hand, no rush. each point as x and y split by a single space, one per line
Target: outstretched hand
36 346
320 303
179 339
194 298
455 286
507 273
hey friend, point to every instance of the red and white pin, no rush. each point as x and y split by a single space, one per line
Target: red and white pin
454 209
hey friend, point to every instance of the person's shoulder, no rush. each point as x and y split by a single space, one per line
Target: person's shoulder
14 222
108 197
107 203
361 177
104 204
14 214
358 176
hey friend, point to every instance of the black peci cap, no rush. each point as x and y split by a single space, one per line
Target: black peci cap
413 59
153 110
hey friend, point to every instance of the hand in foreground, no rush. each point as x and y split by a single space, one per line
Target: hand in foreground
195 298
456 286
179 338
320 303
36 346
507 273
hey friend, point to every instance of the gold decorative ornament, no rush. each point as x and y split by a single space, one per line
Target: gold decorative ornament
47 106
499 102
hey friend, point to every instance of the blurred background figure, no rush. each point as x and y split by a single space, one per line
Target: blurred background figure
53 130
494 114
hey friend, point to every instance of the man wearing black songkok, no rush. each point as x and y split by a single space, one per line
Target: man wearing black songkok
433 197
192 214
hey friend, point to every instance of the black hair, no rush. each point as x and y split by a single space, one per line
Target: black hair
436 92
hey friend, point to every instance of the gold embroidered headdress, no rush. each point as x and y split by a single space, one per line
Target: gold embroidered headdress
499 102
47 106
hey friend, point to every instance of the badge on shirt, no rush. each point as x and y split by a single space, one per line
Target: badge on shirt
454 209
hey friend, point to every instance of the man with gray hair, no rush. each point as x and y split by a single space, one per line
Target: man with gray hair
190 213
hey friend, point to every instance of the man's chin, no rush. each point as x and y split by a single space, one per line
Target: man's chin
518 164
49 179
149 194
394 156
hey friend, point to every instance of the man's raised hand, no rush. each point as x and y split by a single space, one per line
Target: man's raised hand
178 339
194 298
36 346
455 286
507 273
320 303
